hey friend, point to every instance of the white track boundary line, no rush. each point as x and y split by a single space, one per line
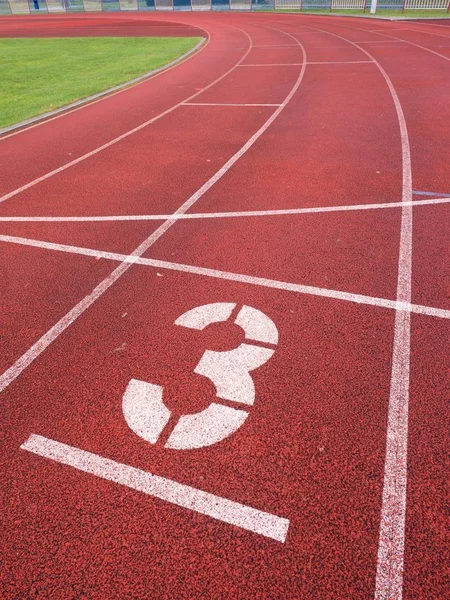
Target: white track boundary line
271 65
341 62
54 332
224 104
127 133
389 575
279 46
385 29
397 39
228 276
391 548
412 30
380 42
224 215
204 503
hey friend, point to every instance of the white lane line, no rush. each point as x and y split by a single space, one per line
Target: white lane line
397 39
429 33
279 46
219 508
237 277
381 42
44 341
386 29
341 62
420 31
224 215
224 104
272 65
428 24
389 576
123 135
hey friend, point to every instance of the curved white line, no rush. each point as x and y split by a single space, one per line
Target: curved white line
50 336
226 215
395 38
123 135
389 576
91 100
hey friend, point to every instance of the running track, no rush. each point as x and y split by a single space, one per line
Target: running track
346 445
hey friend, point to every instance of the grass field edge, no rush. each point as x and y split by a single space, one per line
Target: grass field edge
99 95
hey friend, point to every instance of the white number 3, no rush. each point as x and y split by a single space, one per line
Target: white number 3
229 371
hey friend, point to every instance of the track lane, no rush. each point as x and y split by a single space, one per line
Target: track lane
343 553
104 285
114 116
294 167
329 341
399 35
422 85
153 170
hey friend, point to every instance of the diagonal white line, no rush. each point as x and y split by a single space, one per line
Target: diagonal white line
222 509
395 39
382 42
279 45
224 215
126 134
271 65
224 104
237 277
48 338
341 62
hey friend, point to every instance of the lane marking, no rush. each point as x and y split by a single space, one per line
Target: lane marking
224 215
386 29
123 135
395 38
420 31
280 45
215 273
389 577
341 62
382 42
229 371
218 508
390 562
55 331
272 65
224 104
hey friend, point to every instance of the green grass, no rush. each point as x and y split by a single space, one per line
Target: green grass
39 75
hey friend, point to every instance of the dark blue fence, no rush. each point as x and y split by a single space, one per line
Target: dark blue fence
146 4
181 4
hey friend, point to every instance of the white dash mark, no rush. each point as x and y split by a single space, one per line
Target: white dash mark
219 508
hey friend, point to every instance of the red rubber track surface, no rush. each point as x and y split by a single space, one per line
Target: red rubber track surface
313 448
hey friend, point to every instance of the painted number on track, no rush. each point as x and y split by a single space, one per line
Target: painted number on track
229 371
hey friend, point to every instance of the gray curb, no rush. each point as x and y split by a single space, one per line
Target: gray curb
116 88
